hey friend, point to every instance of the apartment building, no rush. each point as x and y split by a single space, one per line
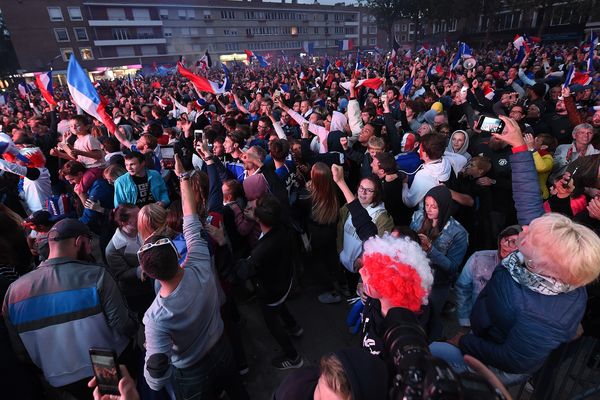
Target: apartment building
118 33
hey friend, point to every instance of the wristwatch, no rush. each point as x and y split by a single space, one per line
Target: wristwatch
185 176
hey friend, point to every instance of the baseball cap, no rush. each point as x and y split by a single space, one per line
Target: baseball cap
67 229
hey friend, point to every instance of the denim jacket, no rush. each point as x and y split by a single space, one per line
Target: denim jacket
448 249
475 275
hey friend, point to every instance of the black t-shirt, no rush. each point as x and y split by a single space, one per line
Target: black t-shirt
144 195
392 198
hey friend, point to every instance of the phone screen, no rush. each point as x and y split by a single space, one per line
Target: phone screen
167 152
106 371
198 134
492 125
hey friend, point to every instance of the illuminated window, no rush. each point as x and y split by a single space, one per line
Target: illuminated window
86 53
66 54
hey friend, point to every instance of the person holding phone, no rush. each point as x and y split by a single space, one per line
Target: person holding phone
185 343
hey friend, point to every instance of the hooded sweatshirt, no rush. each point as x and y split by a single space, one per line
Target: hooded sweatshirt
338 123
428 176
463 150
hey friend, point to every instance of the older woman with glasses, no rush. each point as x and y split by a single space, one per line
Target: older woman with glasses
536 297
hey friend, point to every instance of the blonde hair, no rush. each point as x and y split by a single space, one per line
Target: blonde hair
335 376
573 248
152 219
113 171
376 143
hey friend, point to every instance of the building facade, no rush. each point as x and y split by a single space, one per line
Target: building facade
112 33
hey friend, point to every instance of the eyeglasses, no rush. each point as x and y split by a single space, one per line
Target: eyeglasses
365 190
159 242
509 242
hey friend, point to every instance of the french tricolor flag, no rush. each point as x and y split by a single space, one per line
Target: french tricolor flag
373 83
43 82
201 83
346 44
577 78
85 95
249 54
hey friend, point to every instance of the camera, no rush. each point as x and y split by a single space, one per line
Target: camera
419 375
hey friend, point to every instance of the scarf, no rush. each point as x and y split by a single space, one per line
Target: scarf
515 264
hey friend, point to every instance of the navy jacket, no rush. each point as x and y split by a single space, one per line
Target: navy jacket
515 328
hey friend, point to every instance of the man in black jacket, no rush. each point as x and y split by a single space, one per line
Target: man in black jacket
270 269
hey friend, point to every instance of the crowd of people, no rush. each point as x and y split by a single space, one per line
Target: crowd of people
143 238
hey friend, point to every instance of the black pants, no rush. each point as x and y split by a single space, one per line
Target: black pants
273 316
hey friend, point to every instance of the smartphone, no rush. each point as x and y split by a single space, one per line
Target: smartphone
489 124
209 219
167 153
106 370
198 134
383 96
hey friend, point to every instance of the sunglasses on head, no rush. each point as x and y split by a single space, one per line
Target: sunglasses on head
159 242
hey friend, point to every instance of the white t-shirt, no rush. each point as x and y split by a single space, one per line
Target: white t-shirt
88 143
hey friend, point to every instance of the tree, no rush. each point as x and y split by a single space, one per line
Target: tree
386 12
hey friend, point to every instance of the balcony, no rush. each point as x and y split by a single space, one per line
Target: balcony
125 22
130 42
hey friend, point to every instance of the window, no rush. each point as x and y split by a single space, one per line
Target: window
55 14
120 34
86 53
149 50
372 30
145 33
508 21
403 27
167 32
185 31
210 31
80 34
452 25
170 49
229 14
316 30
206 14
163 13
294 31
181 14
196 47
403 38
125 51
364 29
372 41
364 41
66 54
75 13
396 28
142 14
190 14
116 14
194 32
564 16
61 34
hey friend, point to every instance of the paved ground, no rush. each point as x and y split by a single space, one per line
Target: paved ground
324 330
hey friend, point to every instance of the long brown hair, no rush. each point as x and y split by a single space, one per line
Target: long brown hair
323 194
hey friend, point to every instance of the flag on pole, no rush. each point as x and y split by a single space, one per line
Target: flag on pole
262 61
202 84
464 51
249 55
577 78
395 50
593 45
520 42
359 66
23 89
205 61
405 89
85 95
43 82
346 45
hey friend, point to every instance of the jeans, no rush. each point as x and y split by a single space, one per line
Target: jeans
454 357
216 371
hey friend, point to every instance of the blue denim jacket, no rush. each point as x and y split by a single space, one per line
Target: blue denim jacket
448 249
474 276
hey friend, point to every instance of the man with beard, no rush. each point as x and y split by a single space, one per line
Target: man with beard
55 313
558 124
